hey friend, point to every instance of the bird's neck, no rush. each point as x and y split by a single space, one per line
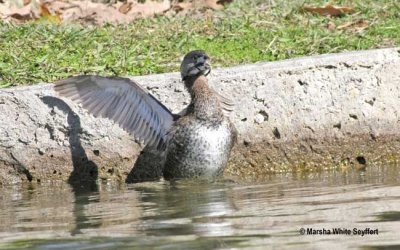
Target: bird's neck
204 104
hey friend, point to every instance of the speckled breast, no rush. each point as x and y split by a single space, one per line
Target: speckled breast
198 149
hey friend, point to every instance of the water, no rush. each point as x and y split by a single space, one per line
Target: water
245 214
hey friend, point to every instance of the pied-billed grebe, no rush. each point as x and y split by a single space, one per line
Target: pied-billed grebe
196 143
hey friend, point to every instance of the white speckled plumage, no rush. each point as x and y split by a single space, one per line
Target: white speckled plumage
198 149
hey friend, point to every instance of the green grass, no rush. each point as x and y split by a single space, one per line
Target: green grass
246 31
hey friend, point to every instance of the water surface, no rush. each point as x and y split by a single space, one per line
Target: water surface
245 214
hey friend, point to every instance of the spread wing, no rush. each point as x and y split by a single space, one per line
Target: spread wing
122 101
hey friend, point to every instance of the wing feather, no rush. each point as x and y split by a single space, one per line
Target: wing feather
123 101
95 102
149 132
124 114
119 108
100 107
105 108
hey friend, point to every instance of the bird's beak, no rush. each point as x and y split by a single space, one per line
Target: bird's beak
203 65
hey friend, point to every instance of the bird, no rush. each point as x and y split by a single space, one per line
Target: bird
196 143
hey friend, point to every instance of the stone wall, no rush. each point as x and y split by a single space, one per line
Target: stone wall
307 114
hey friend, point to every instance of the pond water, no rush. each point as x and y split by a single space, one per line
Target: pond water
245 214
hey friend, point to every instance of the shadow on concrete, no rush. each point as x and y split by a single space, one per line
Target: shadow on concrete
84 169
83 178
148 167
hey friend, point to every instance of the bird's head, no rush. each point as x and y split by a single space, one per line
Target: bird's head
195 63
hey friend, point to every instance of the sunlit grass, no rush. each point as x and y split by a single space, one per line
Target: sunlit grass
247 31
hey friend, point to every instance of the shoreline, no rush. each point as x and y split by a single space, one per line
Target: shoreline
303 114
